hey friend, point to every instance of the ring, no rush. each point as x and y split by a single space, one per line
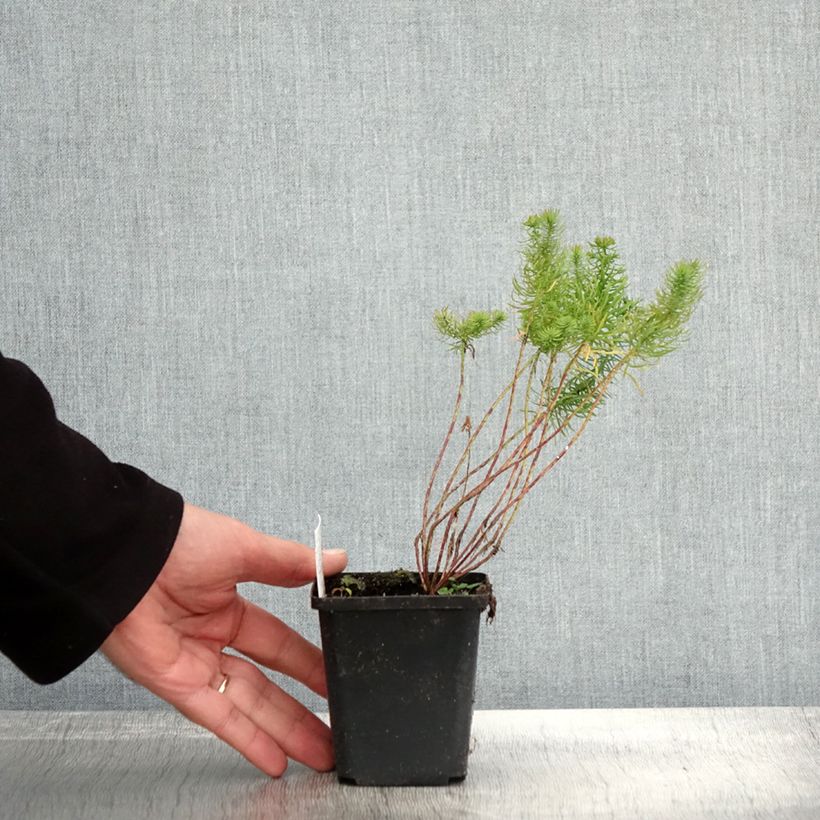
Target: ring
224 685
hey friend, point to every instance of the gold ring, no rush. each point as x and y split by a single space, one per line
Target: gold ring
224 685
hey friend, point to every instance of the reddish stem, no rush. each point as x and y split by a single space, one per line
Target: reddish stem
461 568
422 565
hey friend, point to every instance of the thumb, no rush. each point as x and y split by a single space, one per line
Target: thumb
271 560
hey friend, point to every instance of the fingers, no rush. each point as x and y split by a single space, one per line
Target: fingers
265 639
296 730
220 715
271 560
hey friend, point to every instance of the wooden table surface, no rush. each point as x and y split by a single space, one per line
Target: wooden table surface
622 763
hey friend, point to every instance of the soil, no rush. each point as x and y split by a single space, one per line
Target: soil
397 582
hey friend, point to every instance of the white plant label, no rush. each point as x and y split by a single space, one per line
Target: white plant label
317 542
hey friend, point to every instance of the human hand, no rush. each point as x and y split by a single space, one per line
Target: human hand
172 641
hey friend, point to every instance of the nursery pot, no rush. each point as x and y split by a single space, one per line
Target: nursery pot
401 679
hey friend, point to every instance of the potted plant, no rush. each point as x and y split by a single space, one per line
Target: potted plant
400 647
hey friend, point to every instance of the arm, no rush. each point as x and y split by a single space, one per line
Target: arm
95 554
81 538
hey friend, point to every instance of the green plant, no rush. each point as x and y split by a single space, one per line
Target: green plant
458 588
347 585
578 332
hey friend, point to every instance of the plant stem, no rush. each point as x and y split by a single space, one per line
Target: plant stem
445 443
497 450
599 392
422 542
490 532
542 418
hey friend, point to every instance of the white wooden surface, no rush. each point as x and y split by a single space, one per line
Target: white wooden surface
639 763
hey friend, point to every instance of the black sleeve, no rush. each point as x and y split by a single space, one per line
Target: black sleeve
81 538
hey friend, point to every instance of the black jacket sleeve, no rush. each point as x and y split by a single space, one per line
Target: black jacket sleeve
81 538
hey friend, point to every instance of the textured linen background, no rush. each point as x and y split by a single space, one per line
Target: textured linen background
223 230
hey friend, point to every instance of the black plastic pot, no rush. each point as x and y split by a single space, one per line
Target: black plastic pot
401 681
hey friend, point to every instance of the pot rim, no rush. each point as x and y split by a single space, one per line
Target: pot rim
391 602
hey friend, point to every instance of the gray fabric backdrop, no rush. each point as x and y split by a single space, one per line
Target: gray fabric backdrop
224 227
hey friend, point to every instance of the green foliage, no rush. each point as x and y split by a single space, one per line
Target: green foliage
578 395
462 332
573 302
543 297
660 328
567 297
458 588
347 585
572 306
579 331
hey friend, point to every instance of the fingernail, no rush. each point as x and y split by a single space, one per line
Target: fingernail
333 552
